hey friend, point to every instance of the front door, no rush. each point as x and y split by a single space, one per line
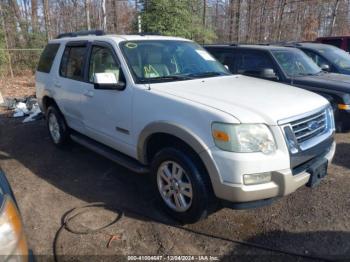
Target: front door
107 113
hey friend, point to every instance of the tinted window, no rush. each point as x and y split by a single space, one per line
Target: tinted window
336 42
253 63
225 57
47 57
72 64
102 61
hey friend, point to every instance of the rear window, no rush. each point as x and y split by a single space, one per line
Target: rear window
47 57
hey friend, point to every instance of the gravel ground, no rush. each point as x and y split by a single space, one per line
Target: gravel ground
47 182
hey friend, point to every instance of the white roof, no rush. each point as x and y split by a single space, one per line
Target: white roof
118 38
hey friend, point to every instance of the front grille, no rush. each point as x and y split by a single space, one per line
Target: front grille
309 127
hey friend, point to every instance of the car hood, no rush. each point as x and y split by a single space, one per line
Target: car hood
248 99
336 82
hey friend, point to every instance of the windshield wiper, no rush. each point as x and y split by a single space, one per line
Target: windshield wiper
205 74
165 78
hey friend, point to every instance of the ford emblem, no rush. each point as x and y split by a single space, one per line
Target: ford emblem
312 125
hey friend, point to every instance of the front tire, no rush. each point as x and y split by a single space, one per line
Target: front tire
182 186
57 127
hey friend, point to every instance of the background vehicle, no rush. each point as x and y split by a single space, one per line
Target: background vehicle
328 58
290 66
164 105
13 244
342 42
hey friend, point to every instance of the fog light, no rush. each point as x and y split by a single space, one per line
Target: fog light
254 179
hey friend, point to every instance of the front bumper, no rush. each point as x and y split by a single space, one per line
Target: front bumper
283 182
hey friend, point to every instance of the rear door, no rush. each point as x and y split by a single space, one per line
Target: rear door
70 83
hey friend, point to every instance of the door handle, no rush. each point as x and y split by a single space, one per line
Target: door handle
57 85
89 93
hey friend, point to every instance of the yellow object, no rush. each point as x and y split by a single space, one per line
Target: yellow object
343 107
220 135
150 71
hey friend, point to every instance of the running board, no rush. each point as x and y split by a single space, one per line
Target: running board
110 153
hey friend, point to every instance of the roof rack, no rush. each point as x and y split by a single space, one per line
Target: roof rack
148 33
81 33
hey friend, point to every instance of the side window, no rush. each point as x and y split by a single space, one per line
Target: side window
102 61
253 63
72 64
47 57
227 58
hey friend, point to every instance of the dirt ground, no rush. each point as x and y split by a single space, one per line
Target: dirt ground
19 86
47 182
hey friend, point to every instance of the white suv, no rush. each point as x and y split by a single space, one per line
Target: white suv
164 106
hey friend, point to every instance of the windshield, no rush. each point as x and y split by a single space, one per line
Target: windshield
337 56
296 63
153 61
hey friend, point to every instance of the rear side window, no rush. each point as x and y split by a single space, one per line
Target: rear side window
72 64
47 57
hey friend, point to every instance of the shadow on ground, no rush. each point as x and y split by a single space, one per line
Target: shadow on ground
304 243
341 159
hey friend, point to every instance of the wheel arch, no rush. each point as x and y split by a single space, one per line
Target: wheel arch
163 128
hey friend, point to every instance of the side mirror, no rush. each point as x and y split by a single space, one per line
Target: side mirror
268 73
325 67
107 81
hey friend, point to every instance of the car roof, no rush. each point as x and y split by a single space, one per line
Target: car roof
116 38
266 47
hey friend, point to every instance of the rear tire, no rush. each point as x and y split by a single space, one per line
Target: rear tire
182 186
57 127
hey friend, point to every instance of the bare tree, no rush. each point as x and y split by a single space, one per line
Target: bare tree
334 16
87 13
238 19
34 15
47 19
104 15
2 18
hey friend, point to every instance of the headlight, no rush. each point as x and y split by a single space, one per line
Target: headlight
330 119
13 244
243 138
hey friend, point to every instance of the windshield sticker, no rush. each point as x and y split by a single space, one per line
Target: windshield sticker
205 55
131 45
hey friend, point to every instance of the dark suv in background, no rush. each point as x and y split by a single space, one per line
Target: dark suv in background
342 42
290 66
329 58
